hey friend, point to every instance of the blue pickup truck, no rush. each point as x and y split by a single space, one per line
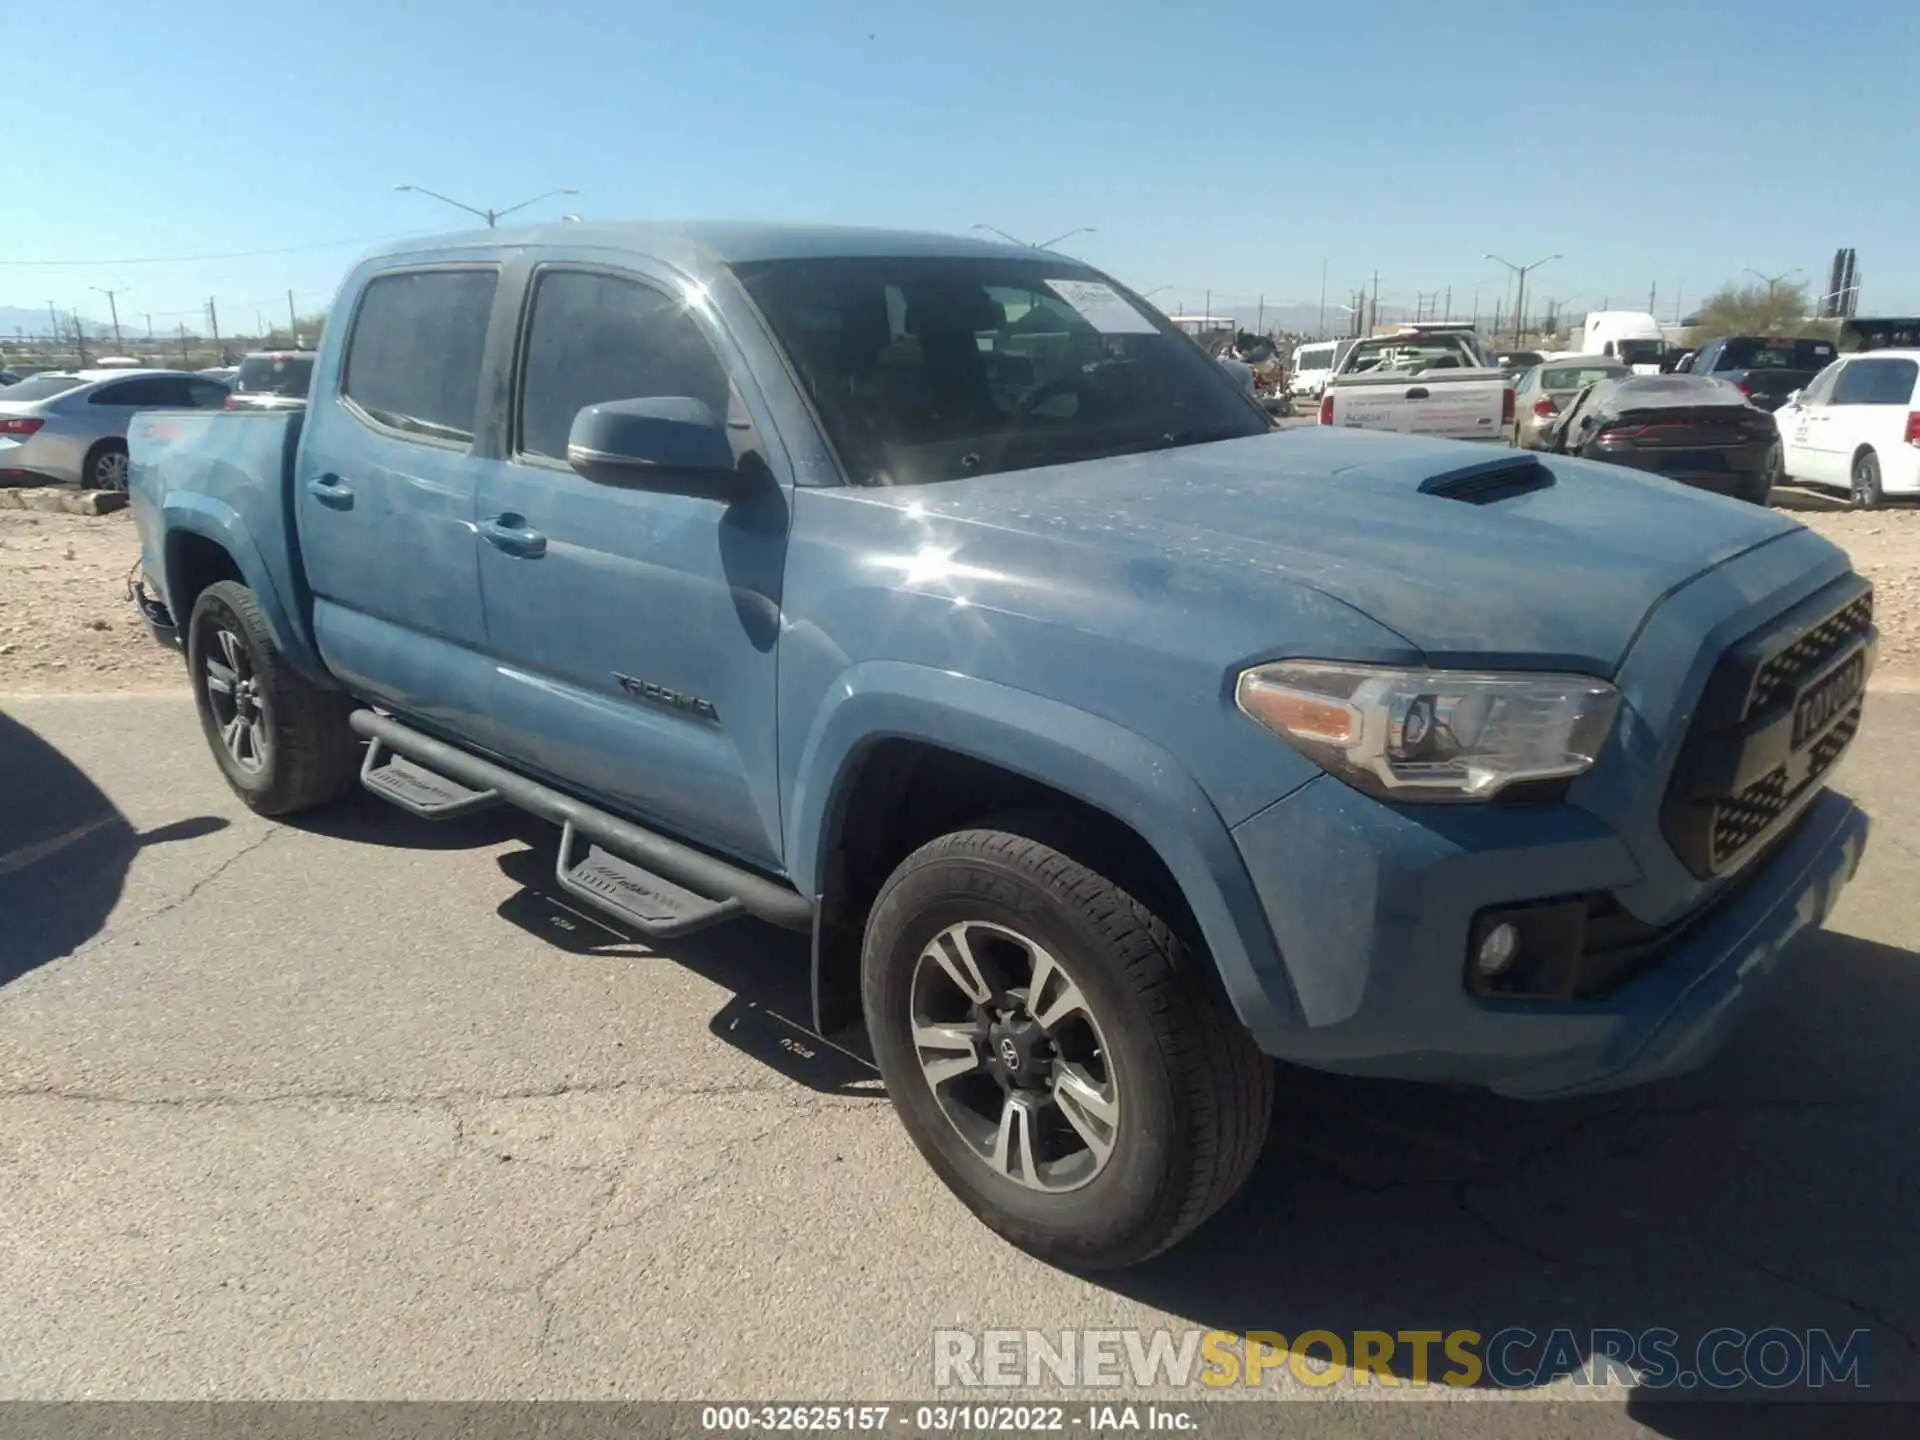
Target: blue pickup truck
940 600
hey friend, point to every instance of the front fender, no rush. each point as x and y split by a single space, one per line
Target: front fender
191 513
1082 755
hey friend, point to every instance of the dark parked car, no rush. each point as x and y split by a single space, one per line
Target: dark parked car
1765 369
272 380
1691 428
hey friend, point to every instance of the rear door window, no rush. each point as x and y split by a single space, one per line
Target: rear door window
124 392
413 361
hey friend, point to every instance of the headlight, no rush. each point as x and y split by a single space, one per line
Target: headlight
1432 734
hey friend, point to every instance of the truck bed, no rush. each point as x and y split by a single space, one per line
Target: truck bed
225 475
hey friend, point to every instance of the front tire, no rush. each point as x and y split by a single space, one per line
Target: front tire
1053 1054
282 742
1866 489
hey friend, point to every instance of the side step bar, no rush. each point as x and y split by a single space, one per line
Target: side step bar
658 886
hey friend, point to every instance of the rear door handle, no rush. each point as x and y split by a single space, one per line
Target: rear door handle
509 533
331 491
1418 392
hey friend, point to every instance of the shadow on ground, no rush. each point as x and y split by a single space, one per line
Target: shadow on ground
766 969
1774 1189
64 852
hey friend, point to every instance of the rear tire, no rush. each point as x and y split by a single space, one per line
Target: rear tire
282 742
1142 1100
1867 494
105 467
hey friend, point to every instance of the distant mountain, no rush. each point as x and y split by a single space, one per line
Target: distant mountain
15 319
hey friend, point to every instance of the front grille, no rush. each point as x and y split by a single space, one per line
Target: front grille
1738 822
1781 675
1718 813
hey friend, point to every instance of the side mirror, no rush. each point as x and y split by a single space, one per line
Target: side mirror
666 442
1792 402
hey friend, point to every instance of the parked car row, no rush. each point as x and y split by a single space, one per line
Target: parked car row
70 427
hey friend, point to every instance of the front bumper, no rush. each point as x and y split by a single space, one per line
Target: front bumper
1372 906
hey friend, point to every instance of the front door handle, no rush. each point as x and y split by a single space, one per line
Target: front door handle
331 491
1418 392
509 533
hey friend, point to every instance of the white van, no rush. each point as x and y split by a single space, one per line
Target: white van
1313 365
1633 337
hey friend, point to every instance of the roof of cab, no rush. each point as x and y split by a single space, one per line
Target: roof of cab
702 244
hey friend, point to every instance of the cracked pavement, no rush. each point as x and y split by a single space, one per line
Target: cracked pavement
341 1109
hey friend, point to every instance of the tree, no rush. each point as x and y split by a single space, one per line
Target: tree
1736 309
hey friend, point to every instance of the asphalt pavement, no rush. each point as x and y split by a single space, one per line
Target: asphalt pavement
349 1107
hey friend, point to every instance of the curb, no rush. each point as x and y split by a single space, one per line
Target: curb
54 499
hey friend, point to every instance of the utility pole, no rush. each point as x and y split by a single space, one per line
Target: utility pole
1652 290
1373 311
1449 314
1320 331
1259 324
185 358
293 322
1207 312
80 339
1679 312
53 322
149 326
114 308
213 323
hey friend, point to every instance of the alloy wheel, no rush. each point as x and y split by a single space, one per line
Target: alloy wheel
110 470
239 712
1010 1046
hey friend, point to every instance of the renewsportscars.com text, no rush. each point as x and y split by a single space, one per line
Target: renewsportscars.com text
1514 1358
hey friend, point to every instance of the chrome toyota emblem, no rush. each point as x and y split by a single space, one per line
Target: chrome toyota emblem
1009 1053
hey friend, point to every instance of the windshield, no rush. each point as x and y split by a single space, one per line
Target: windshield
274 375
40 387
1756 354
931 368
1641 352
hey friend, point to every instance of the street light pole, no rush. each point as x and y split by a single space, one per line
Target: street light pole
112 308
492 217
1520 289
1772 282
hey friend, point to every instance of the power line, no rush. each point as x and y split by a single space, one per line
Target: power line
196 259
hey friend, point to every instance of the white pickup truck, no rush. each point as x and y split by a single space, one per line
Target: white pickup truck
1422 380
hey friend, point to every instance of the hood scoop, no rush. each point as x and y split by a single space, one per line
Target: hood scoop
1490 481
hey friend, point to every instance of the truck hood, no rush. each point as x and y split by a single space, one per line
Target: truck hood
1474 554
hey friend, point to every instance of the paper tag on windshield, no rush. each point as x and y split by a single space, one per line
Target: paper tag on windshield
1103 308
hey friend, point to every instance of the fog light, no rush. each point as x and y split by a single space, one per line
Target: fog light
1498 947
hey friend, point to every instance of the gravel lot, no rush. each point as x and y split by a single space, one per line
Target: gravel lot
66 627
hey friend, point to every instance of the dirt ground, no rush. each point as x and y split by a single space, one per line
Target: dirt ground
66 626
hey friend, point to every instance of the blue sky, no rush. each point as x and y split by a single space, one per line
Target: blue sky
1227 147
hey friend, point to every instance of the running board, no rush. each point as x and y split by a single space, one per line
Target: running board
658 885
650 903
418 790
